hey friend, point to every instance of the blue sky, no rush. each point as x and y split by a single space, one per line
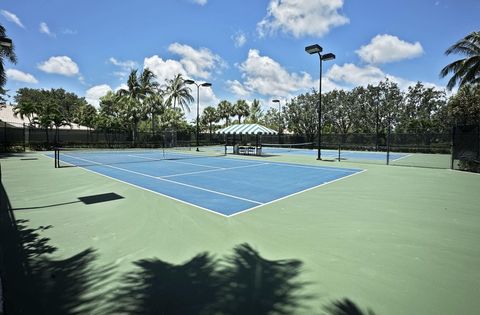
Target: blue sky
246 48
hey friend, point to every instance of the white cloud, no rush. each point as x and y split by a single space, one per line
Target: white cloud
354 75
239 39
125 66
197 63
93 94
164 69
237 88
350 75
200 2
302 17
12 18
44 29
68 31
264 75
207 98
61 65
387 48
20 76
193 63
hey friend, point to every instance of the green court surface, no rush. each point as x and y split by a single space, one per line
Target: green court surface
393 239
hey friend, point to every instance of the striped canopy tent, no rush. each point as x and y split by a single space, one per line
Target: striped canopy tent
246 129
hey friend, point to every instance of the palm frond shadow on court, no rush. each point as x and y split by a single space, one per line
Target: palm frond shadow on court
243 283
34 283
346 307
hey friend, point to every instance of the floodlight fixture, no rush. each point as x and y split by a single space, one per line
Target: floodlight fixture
313 49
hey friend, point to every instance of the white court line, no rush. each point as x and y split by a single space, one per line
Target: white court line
167 160
254 161
218 169
402 157
149 190
296 193
242 160
167 180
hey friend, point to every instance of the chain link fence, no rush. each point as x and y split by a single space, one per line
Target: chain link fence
457 150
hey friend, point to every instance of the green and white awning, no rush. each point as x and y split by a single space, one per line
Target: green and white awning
246 129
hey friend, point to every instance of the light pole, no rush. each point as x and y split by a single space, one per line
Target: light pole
279 119
205 84
316 49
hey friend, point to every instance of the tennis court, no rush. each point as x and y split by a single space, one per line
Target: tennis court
220 184
99 238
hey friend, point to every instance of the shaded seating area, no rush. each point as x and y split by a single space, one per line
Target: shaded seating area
241 145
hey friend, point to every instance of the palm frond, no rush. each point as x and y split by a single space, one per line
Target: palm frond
464 70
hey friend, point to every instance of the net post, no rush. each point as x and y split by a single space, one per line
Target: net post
339 151
55 157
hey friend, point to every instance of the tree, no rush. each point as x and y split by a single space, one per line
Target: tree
464 107
8 53
241 109
3 93
339 110
389 102
225 110
271 118
209 117
150 95
466 70
154 105
420 107
178 93
172 119
302 116
27 102
255 112
109 113
132 99
86 115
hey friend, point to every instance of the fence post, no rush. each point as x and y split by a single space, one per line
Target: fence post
452 148
24 135
388 141
4 136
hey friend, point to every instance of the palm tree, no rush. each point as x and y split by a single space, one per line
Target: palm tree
154 106
209 116
241 110
25 110
147 84
130 102
224 110
178 93
150 95
466 70
5 52
255 112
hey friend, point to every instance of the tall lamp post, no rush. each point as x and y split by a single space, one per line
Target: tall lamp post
205 84
316 49
279 119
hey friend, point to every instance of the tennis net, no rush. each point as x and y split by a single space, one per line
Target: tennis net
68 157
286 148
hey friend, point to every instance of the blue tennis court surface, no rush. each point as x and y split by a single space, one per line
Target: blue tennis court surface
226 186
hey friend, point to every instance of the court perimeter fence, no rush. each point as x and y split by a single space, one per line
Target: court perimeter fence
458 149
